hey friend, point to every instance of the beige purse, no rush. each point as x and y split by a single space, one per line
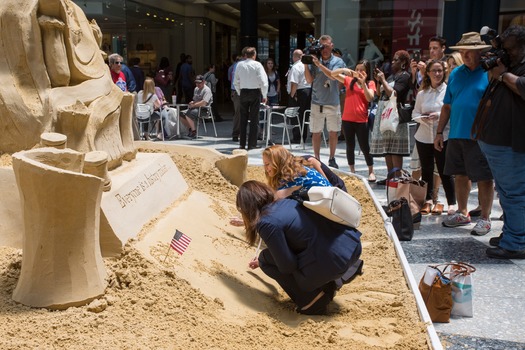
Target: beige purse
334 204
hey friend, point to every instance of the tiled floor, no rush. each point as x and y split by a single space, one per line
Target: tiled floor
499 285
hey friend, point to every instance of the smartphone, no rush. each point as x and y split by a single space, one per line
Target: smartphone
417 56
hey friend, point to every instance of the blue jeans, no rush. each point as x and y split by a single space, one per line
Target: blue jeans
508 169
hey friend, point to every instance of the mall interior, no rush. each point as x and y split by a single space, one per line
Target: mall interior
211 31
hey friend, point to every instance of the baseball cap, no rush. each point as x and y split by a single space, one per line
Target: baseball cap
199 79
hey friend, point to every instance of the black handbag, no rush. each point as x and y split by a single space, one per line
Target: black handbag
404 110
399 210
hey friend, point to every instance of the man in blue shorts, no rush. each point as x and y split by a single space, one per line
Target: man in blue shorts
464 158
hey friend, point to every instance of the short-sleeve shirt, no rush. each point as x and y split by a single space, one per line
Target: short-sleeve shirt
464 91
325 91
296 75
311 178
120 80
203 94
356 104
505 124
400 82
149 100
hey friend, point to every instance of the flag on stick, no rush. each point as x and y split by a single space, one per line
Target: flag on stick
180 242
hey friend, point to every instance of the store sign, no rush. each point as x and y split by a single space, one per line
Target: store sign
415 22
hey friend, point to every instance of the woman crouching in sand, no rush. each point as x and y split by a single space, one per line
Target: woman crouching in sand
308 255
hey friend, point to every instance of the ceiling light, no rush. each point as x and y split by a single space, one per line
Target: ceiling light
302 9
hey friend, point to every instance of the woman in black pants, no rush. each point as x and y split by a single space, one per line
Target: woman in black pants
426 112
360 92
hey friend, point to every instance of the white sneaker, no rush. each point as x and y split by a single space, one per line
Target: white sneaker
456 220
482 227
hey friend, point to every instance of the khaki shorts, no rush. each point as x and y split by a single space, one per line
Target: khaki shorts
332 115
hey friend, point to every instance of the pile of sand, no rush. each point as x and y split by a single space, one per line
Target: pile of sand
208 298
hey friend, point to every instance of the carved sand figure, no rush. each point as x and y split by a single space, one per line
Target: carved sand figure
56 80
62 263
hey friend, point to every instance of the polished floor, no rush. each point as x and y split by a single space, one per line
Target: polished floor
499 285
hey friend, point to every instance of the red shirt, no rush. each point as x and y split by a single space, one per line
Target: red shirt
356 105
119 79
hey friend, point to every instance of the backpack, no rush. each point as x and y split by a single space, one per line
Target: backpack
207 81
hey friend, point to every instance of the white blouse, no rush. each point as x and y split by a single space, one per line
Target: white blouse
429 101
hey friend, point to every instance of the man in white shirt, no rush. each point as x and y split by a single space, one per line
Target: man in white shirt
299 90
250 82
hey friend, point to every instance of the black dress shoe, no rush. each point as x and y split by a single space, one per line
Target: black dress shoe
494 241
235 139
319 307
254 147
500 253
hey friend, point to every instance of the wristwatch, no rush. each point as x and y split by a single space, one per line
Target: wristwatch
501 76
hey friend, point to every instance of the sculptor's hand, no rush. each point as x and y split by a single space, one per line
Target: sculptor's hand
254 264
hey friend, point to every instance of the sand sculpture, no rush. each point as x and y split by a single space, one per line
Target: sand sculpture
55 80
62 263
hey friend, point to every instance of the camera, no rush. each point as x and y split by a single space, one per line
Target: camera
310 51
491 59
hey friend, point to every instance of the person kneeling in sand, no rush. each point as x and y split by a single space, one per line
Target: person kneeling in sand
308 255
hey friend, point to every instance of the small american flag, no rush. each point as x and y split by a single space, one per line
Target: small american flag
180 242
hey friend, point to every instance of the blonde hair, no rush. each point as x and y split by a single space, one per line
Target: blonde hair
149 88
286 166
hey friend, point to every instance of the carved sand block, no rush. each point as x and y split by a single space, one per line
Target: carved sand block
62 265
140 191
53 139
96 163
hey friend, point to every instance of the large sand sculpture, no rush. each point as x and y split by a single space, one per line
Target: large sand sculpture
55 80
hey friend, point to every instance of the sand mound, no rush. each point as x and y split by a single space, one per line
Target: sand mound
208 298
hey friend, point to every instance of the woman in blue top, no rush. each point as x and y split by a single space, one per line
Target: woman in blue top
287 174
308 255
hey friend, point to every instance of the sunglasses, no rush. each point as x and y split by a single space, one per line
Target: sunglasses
119 62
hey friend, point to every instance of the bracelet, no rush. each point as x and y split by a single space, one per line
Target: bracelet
439 133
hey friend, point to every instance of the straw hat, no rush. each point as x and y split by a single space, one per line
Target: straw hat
471 41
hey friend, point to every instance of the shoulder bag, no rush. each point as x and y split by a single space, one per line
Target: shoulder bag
404 111
143 111
333 203
443 290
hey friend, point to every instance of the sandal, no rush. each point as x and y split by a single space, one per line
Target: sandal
372 178
438 209
426 209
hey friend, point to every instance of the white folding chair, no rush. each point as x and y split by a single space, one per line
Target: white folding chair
283 120
306 121
143 113
205 113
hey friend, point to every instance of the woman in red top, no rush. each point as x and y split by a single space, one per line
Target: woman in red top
360 91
